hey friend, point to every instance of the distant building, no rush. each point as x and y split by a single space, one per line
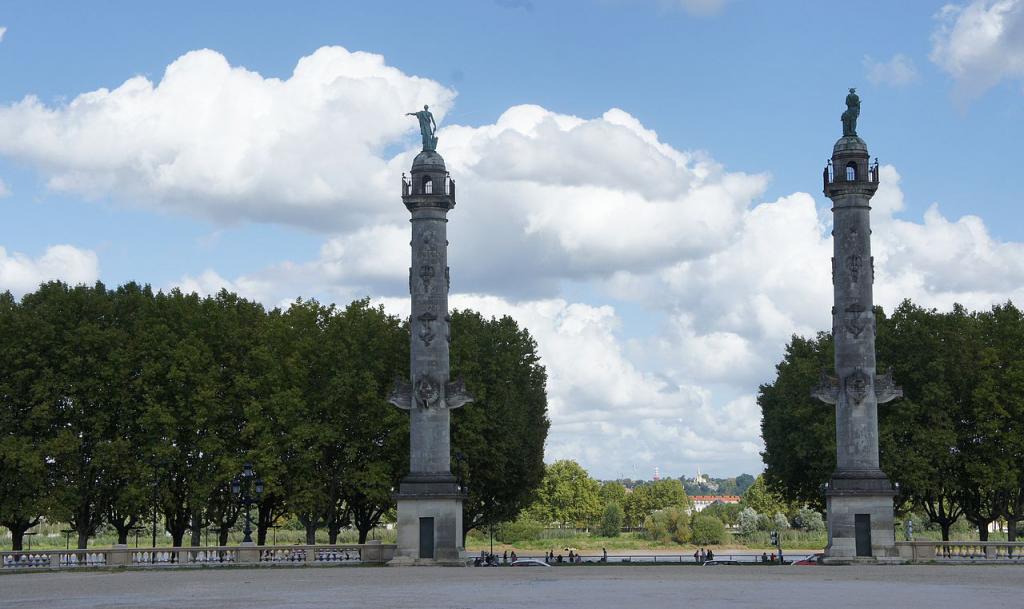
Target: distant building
702 501
703 480
657 474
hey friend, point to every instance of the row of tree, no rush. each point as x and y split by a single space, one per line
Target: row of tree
568 496
954 443
118 404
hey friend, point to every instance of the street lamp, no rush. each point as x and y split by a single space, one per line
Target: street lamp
248 488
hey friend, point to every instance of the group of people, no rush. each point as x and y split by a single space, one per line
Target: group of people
766 558
574 558
701 556
491 560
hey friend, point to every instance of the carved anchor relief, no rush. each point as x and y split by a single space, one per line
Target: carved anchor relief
426 274
426 332
855 323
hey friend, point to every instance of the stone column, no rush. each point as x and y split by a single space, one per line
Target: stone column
859 496
429 498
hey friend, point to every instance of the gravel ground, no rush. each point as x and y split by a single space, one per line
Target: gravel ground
934 587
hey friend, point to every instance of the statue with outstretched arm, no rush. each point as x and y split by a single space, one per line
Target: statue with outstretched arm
427 127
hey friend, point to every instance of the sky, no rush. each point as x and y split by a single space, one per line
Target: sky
639 180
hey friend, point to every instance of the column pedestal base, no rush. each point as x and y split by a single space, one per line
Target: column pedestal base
429 522
860 518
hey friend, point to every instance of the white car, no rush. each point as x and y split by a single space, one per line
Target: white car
530 562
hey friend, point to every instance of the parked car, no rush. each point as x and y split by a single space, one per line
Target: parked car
716 562
530 562
810 559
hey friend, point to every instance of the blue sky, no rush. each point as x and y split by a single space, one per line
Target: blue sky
660 146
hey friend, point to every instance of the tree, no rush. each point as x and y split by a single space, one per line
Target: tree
668 524
762 499
648 498
809 520
798 431
611 521
743 482
706 530
748 521
81 350
500 435
613 492
25 484
567 495
375 456
780 522
728 513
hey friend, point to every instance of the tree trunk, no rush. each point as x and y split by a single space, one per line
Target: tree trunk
17 529
177 527
945 530
983 531
222 535
310 522
83 539
17 539
197 530
1011 530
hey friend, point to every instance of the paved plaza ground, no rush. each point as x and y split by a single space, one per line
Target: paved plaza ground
934 587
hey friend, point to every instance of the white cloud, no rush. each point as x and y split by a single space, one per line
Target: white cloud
980 44
4 190
20 273
898 71
224 142
3 31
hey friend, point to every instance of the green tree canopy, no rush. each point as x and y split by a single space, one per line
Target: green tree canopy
567 495
658 495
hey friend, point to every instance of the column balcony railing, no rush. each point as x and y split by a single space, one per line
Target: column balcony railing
830 175
410 187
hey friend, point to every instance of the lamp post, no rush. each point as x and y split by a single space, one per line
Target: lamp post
248 488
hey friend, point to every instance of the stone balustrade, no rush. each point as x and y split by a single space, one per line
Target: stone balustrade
121 556
962 551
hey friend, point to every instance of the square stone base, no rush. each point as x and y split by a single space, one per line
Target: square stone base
441 502
866 497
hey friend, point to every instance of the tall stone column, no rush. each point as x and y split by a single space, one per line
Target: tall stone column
430 498
859 496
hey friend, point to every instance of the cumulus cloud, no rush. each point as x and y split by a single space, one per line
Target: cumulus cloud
898 71
980 44
20 273
223 142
